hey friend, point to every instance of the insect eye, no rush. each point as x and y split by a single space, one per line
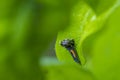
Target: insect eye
72 42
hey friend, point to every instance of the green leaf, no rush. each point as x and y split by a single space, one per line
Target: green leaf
62 71
83 22
96 39
81 14
103 48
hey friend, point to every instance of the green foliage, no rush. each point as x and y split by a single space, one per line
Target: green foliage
24 35
27 27
94 25
67 71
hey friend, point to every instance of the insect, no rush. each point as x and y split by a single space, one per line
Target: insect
70 46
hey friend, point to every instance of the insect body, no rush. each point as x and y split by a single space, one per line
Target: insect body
70 46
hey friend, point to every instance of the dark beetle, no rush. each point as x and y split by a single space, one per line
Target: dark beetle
70 46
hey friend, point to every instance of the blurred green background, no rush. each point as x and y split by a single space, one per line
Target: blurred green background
31 30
